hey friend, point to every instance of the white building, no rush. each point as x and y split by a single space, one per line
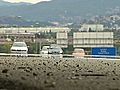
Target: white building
33 29
62 39
92 27
93 39
114 17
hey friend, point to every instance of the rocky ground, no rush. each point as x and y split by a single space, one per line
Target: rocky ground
35 73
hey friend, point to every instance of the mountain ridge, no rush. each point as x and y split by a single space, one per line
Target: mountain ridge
59 10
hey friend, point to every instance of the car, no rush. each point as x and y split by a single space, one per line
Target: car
78 53
55 49
19 48
45 50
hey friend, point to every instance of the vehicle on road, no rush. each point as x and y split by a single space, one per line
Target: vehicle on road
45 50
19 48
78 53
55 49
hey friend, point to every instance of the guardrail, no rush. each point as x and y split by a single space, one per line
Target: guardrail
62 56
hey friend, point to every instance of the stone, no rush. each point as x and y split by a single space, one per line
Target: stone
23 78
77 66
44 63
49 74
73 77
77 75
34 74
5 71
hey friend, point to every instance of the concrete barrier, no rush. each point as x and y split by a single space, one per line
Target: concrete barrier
63 56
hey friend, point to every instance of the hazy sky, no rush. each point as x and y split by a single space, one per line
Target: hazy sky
30 1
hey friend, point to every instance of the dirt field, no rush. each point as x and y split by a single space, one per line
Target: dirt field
35 73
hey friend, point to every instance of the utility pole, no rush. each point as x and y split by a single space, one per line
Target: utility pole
39 42
40 47
36 25
36 39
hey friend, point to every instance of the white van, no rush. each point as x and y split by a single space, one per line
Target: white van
19 48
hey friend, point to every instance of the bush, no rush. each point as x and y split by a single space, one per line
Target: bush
5 48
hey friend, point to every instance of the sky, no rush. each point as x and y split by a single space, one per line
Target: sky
29 1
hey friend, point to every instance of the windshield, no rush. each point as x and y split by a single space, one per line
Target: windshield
19 44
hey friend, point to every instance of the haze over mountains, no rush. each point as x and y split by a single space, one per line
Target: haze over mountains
59 10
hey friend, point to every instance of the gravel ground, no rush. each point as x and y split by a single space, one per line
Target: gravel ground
36 73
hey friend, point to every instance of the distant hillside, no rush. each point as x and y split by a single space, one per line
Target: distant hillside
61 10
19 21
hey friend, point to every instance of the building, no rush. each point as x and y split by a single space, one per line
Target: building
92 27
27 37
114 17
62 39
33 29
27 34
92 39
85 39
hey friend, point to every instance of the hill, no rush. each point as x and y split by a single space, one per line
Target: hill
61 10
19 21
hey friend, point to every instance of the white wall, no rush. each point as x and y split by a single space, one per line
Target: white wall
34 30
94 27
93 39
62 39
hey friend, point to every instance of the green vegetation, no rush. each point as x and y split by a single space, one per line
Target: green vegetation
68 50
31 48
5 48
46 35
117 40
